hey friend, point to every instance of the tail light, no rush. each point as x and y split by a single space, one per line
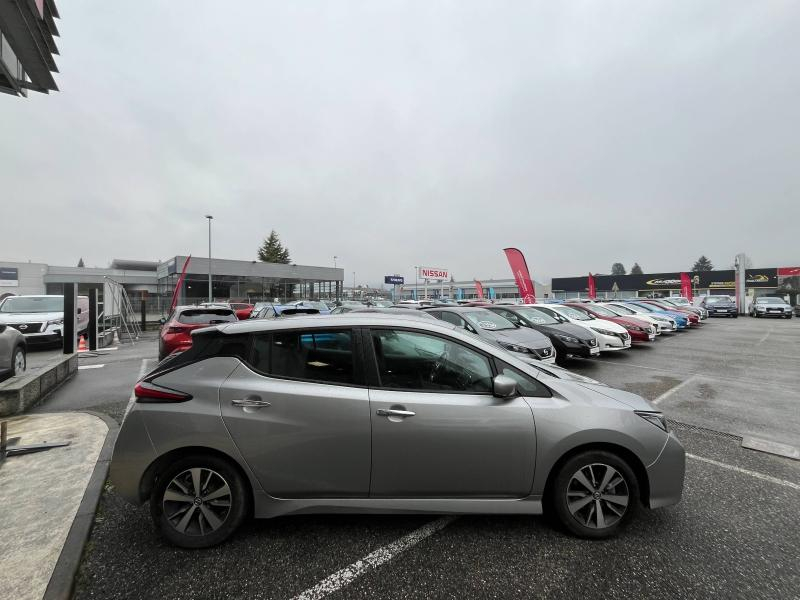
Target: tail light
178 330
146 391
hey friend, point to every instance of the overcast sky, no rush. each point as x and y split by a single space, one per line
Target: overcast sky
394 134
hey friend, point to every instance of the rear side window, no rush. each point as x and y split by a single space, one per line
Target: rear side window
206 316
324 356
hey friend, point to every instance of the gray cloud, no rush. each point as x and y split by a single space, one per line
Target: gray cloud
402 133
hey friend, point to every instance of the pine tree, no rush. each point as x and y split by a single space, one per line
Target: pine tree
702 264
618 269
80 263
636 269
273 251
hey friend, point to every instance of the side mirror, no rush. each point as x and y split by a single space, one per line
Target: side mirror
162 320
504 386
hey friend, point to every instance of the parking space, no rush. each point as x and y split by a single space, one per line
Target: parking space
733 534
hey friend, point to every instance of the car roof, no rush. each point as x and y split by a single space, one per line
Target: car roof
456 309
350 319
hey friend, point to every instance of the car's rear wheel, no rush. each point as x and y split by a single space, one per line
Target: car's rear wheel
19 361
199 501
595 494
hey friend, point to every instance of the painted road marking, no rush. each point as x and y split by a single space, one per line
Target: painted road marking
82 367
764 337
674 389
755 474
132 399
346 576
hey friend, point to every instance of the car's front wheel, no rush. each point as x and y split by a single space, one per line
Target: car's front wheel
595 494
199 501
19 362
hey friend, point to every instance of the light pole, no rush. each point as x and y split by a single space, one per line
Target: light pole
209 217
354 285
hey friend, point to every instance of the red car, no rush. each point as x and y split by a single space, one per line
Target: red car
691 315
242 310
640 331
176 330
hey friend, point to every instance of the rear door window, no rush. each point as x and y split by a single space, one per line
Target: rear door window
323 355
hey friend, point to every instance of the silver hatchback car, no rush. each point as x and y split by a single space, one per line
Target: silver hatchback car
374 413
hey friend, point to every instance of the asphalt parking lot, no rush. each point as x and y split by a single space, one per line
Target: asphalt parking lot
734 534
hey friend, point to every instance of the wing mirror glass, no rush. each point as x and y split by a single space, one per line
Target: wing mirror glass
162 320
504 386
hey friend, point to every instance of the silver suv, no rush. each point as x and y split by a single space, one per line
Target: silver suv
367 412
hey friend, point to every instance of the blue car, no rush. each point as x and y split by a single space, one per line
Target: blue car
681 320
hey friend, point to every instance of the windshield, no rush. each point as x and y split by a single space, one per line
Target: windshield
718 299
486 319
678 300
32 304
646 307
769 301
572 313
621 310
206 316
536 316
602 311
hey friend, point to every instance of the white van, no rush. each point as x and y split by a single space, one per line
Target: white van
41 318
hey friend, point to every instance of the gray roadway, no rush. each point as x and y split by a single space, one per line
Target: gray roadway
734 535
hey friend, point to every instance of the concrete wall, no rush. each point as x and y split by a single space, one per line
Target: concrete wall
31 278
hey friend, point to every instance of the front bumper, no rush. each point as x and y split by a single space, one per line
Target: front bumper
666 474
722 312
763 313
612 342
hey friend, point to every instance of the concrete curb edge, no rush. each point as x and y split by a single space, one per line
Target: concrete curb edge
62 580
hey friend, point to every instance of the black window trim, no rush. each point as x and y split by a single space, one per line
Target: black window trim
359 379
371 360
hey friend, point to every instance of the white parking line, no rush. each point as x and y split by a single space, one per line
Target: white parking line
132 399
384 554
764 337
755 474
82 367
674 389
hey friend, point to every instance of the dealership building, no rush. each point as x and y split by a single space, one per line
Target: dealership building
783 281
466 290
27 29
153 282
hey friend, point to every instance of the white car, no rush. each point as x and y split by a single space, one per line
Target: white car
661 323
610 336
41 318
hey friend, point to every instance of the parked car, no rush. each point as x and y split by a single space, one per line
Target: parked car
273 311
770 306
681 318
683 303
13 352
380 303
496 328
177 328
41 318
640 331
720 306
243 310
422 314
379 414
567 339
321 307
610 336
693 317
663 323
797 310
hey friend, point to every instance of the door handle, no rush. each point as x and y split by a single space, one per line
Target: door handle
394 412
251 402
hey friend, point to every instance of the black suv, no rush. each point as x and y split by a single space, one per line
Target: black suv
720 306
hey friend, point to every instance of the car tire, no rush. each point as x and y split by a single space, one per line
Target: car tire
19 361
576 505
207 521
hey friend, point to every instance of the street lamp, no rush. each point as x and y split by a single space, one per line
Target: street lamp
416 282
354 285
209 217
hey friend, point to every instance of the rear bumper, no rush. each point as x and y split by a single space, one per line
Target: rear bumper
133 454
666 474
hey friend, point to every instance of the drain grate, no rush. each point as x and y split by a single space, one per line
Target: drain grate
677 425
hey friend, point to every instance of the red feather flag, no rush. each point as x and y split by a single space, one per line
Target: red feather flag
176 294
516 260
479 287
592 287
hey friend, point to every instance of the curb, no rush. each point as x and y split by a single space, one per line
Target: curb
62 580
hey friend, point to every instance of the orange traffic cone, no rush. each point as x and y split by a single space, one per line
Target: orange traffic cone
82 344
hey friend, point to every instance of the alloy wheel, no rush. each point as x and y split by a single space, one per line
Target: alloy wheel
197 501
19 361
597 496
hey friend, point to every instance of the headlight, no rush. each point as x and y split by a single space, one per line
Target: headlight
656 418
568 338
515 348
633 328
603 331
56 322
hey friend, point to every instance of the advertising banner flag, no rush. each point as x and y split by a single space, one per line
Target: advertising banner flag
519 268
788 271
686 286
592 287
176 294
479 287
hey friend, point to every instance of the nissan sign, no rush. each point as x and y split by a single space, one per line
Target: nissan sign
428 273
394 280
